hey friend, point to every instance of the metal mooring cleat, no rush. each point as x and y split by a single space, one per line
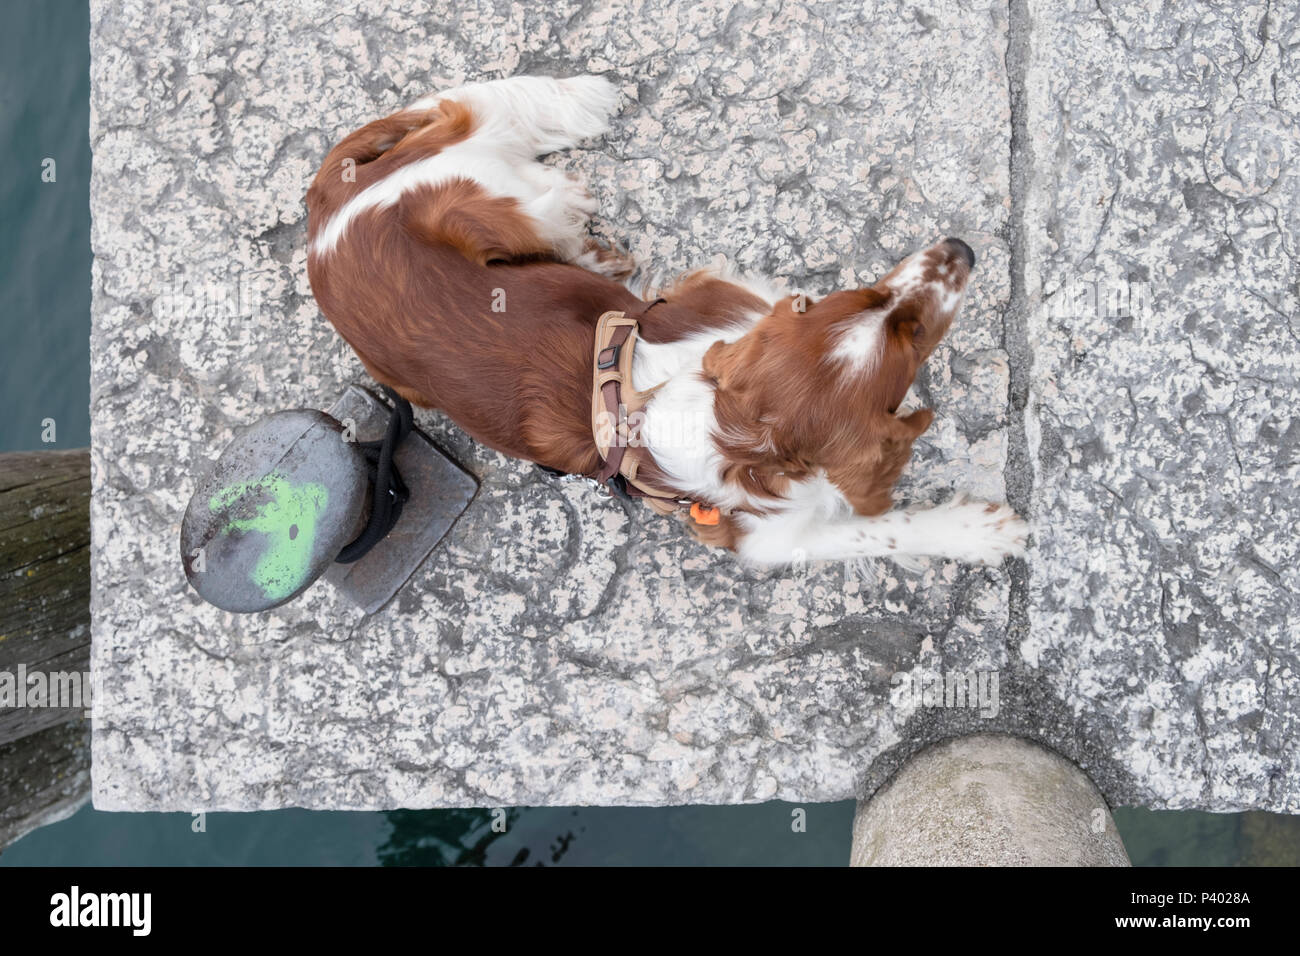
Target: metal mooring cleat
293 489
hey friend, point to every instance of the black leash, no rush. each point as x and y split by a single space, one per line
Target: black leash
389 491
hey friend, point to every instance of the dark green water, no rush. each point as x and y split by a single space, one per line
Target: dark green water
594 836
45 308
45 226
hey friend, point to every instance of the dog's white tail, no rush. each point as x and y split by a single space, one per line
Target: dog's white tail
536 114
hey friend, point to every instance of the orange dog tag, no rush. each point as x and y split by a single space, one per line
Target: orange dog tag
705 515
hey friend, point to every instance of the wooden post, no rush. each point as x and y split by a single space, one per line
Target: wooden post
45 630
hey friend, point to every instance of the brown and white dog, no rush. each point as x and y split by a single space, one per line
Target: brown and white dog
780 413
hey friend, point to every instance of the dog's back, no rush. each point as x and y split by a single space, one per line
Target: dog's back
437 247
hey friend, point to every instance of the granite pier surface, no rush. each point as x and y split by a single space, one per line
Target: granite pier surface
1123 372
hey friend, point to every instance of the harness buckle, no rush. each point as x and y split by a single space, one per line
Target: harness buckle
612 361
617 485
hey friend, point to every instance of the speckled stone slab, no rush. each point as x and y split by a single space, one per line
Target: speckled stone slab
559 648
1162 228
556 648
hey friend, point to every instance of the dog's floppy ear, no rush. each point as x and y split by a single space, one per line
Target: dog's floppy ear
722 361
868 480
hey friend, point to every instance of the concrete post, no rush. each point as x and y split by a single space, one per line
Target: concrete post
986 800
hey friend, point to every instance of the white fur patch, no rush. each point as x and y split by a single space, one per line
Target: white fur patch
909 275
861 343
679 421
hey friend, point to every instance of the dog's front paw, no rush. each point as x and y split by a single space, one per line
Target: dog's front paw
979 532
1003 533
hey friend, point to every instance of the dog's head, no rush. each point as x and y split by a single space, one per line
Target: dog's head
814 387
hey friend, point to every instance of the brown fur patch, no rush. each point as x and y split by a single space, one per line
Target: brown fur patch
379 149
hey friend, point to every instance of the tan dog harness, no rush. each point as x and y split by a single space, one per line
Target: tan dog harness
617 413
617 410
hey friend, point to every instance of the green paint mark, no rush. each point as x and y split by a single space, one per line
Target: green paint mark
288 519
